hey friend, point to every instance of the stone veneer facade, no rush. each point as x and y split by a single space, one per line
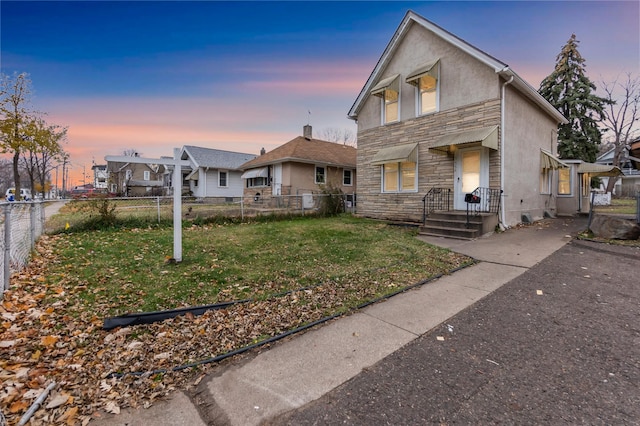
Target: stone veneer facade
434 169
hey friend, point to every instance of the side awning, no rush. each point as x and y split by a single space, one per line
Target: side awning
255 173
599 169
396 154
485 136
387 83
426 69
550 161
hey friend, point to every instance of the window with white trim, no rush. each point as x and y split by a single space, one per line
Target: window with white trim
564 181
388 89
320 175
347 176
426 80
399 177
390 106
147 175
427 94
222 178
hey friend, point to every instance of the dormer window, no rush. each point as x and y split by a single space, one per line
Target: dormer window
426 79
388 90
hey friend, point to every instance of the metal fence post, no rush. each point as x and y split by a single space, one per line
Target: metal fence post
7 246
158 204
32 224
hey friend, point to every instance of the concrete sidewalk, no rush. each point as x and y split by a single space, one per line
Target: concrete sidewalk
297 371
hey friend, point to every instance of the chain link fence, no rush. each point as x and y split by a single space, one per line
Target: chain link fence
22 224
157 209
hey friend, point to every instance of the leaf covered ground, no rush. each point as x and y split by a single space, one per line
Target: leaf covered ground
51 318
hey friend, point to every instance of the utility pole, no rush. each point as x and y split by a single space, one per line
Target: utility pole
65 172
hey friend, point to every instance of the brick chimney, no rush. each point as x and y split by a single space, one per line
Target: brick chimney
306 131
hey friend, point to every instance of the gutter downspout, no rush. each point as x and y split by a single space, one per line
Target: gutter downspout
502 109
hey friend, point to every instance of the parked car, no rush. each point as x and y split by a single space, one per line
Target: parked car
25 194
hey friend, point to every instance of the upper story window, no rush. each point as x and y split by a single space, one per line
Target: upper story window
147 175
347 176
320 175
222 179
388 90
426 80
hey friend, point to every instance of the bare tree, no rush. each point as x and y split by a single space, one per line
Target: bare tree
131 152
621 117
337 135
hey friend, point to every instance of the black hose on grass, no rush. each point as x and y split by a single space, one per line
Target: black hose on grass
272 339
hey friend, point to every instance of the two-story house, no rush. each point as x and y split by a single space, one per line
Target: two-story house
440 116
135 180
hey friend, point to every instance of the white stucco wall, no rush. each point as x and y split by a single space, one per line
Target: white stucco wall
527 130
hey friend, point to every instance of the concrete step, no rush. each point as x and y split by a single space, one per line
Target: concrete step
474 223
450 232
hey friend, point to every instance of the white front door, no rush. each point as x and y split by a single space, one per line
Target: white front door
470 172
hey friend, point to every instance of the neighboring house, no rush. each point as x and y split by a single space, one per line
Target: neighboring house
214 173
136 180
100 177
574 185
438 115
629 184
302 165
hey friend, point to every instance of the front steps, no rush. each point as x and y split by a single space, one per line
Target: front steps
453 224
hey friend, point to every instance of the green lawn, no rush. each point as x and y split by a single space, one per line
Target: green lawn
126 270
626 206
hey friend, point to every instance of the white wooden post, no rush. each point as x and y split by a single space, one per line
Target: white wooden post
177 206
176 184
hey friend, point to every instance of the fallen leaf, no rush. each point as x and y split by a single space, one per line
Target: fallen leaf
112 407
58 400
49 341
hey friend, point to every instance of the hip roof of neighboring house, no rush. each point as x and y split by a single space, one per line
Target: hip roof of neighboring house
498 66
215 158
312 151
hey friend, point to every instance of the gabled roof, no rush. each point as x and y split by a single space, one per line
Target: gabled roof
214 158
303 150
499 67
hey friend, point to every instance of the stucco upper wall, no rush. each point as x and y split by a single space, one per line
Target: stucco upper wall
527 129
464 80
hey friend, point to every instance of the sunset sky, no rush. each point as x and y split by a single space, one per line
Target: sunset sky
239 76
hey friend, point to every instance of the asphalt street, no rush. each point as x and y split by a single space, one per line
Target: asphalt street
559 344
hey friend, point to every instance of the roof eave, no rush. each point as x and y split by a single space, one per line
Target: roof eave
531 93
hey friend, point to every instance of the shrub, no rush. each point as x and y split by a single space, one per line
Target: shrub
331 201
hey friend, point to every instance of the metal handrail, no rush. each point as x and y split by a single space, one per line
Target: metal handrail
483 200
436 199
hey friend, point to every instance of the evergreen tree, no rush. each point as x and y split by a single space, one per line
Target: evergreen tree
569 90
